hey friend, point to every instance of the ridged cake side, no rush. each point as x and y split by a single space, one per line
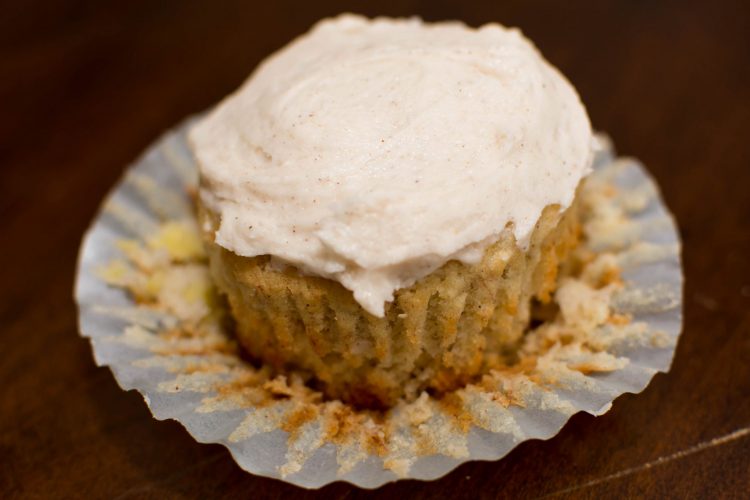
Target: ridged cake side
441 332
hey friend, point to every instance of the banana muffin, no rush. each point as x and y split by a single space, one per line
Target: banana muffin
384 200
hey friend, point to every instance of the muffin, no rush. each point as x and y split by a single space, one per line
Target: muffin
384 201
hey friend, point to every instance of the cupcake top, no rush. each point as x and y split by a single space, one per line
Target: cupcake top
371 152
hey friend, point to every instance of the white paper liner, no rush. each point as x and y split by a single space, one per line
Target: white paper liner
122 335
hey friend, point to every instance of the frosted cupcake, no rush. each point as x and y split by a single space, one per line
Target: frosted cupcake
383 201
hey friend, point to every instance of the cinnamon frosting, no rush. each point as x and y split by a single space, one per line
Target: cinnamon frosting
371 152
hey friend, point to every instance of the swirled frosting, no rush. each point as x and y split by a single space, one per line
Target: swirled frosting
373 151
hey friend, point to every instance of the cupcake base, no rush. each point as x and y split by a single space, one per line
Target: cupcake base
440 333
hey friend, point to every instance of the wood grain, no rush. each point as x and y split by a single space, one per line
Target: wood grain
85 86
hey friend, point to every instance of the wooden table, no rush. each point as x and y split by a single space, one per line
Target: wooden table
85 86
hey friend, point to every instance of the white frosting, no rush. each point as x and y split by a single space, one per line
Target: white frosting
372 152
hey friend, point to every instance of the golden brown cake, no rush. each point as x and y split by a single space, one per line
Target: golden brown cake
435 335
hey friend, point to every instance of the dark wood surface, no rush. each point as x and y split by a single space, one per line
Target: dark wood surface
85 86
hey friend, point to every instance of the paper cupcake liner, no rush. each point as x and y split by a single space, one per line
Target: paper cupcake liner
167 340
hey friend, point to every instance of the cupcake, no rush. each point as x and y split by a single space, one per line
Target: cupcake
384 202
